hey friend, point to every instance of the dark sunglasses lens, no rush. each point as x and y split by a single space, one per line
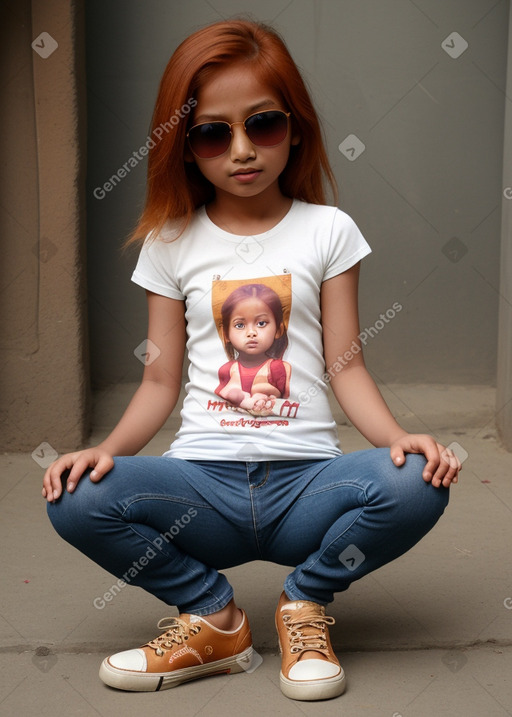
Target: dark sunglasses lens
210 139
267 129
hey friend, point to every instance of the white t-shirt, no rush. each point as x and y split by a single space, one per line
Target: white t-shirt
265 399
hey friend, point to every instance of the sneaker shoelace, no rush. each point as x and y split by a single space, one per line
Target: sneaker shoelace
176 632
307 632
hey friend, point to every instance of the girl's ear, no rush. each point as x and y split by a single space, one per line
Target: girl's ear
280 331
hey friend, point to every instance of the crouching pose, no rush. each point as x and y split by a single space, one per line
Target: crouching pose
236 208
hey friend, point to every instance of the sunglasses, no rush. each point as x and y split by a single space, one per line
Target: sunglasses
264 129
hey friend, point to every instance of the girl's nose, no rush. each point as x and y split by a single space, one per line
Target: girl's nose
251 331
241 148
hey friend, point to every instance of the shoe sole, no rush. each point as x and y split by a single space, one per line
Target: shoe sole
132 681
313 690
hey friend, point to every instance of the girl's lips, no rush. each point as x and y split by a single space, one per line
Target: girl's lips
246 176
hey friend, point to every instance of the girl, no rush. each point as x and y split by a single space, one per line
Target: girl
254 334
235 190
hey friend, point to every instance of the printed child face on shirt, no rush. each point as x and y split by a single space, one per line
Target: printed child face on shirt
252 330
252 317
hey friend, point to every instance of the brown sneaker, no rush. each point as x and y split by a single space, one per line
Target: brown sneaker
189 648
310 669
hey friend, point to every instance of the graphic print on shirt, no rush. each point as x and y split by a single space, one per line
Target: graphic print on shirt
252 318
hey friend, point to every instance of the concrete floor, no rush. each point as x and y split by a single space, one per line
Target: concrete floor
427 635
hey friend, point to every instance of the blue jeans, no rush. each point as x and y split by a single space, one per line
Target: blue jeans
169 525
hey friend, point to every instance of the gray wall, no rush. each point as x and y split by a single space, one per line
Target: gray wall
44 392
504 373
426 191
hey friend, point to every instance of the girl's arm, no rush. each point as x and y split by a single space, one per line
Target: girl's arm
356 391
147 411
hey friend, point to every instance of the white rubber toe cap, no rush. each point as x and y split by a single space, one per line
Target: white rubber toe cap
134 660
313 670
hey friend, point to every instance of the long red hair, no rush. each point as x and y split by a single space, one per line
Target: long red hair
175 188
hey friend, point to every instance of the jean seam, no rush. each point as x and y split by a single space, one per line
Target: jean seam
253 509
309 565
265 479
165 500
181 559
334 486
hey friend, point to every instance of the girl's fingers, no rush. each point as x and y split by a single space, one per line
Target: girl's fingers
442 467
77 464
103 466
397 456
431 453
77 471
52 482
417 444
448 468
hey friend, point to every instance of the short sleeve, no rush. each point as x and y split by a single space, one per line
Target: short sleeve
347 245
155 269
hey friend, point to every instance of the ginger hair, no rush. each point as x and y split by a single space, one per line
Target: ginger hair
176 188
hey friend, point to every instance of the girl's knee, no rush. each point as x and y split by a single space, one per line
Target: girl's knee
412 495
71 511
414 463
424 502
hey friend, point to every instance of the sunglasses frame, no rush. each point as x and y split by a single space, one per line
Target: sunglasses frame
230 125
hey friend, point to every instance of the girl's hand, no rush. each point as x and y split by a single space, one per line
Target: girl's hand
96 458
442 467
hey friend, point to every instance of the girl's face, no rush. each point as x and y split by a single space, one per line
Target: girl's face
244 170
252 328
